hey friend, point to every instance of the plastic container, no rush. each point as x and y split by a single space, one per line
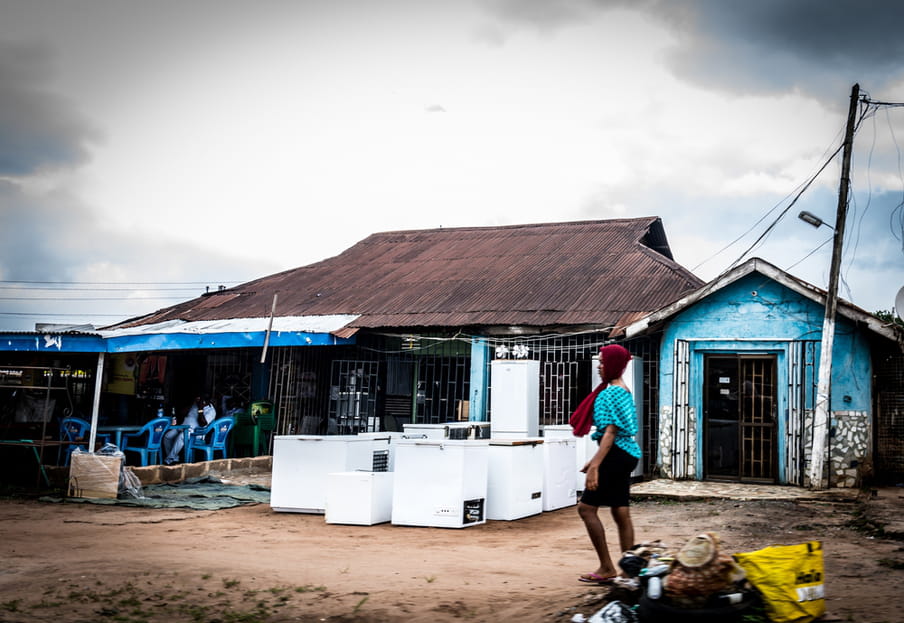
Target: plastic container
654 587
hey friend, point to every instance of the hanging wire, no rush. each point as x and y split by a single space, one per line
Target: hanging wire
799 189
768 230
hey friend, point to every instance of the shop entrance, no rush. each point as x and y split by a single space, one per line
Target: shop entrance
739 403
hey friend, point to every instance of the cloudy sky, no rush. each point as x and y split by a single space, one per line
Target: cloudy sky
149 150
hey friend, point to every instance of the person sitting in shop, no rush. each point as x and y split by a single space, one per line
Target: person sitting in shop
201 413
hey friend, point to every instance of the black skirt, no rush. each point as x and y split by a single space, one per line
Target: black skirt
614 480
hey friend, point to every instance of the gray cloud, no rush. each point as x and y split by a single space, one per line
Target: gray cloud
39 129
53 237
817 47
544 15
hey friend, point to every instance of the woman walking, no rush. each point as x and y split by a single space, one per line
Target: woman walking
609 470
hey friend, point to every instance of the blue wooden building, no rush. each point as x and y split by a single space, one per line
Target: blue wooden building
738 370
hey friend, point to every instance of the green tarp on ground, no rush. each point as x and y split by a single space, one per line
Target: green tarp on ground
207 493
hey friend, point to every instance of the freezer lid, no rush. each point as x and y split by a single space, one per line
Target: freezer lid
442 442
516 442
321 438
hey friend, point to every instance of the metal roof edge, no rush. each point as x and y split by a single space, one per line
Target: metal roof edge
190 341
759 265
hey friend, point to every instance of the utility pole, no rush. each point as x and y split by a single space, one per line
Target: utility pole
824 383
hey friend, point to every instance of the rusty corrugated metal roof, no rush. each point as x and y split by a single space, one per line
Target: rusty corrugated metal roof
544 275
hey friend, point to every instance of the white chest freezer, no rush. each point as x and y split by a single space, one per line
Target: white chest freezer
558 473
514 478
359 498
445 430
514 398
440 483
383 449
301 464
584 448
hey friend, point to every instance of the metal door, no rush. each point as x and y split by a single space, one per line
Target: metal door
739 405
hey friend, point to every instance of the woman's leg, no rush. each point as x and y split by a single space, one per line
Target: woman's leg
622 517
597 534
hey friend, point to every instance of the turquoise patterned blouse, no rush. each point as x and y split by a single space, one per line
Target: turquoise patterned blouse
615 405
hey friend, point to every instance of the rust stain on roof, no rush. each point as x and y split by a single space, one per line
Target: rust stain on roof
598 273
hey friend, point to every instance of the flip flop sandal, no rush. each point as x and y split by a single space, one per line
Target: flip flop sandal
595 578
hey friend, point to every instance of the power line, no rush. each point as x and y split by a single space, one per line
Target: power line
91 298
118 283
802 187
772 225
86 315
79 289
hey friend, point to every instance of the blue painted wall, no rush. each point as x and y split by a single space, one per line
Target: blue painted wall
756 315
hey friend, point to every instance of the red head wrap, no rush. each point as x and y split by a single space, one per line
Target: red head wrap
615 359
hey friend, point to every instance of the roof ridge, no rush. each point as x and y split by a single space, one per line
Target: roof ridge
516 226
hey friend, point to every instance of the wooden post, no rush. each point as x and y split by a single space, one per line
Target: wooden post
95 408
824 384
269 328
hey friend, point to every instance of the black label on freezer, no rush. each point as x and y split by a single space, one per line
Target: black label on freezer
535 495
472 511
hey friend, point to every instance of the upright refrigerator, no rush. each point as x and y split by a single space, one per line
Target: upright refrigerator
301 464
514 478
558 473
514 398
440 483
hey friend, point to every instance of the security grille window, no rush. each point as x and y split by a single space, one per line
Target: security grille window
353 397
229 373
442 385
890 417
567 366
300 387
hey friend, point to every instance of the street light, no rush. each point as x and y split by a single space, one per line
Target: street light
812 219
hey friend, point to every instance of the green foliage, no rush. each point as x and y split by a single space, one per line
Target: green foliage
11 605
889 317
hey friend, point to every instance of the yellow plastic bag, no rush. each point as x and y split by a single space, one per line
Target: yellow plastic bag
790 578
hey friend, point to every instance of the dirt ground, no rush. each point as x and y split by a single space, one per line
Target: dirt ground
84 562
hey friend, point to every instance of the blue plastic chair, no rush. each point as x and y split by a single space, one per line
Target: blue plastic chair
75 429
146 441
210 439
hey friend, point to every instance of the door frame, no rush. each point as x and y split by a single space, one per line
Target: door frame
775 447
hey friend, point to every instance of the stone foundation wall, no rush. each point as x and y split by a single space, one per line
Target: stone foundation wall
850 448
157 474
